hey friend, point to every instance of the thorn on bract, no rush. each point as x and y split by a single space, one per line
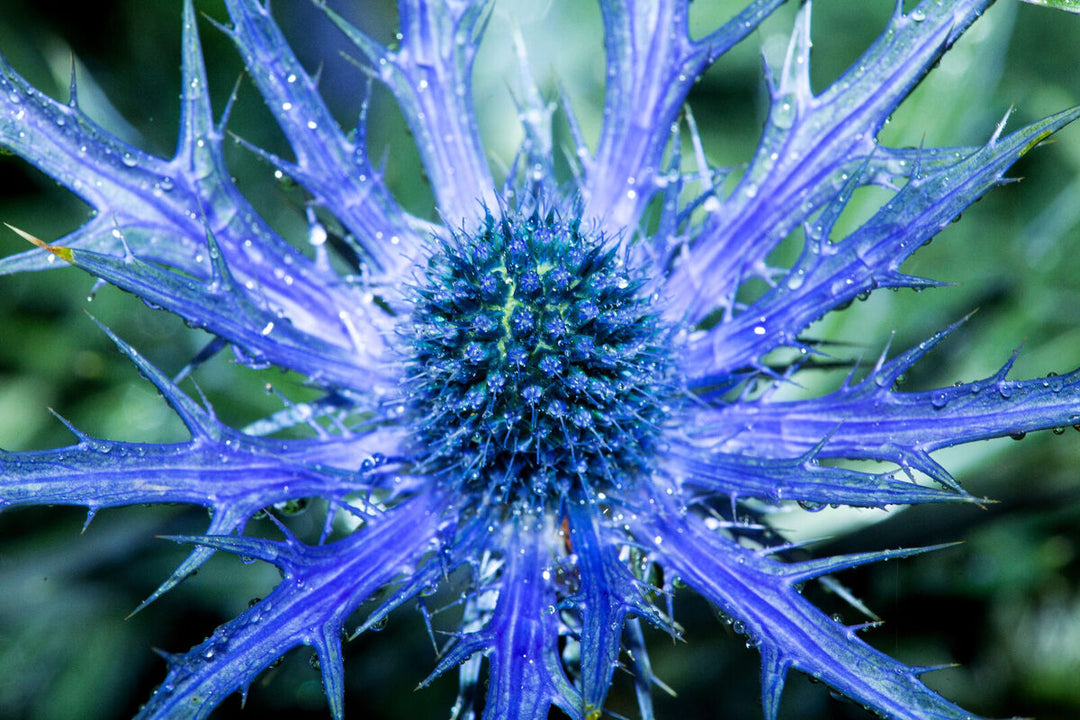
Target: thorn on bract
63 253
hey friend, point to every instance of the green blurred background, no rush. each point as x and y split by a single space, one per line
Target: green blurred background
1005 604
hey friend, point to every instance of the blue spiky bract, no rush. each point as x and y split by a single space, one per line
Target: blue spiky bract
549 397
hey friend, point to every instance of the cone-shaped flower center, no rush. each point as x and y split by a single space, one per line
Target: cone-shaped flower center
538 362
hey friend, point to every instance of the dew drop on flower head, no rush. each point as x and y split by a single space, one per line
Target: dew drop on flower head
564 405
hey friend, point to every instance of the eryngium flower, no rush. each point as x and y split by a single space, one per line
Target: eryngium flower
552 403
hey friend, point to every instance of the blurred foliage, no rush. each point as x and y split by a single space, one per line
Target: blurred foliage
1005 605
1072 6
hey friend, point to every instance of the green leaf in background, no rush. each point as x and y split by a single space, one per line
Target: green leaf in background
1072 6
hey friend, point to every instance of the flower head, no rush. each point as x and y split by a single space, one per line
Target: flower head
558 398
537 366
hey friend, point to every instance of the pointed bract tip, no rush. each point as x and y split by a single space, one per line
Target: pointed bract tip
65 254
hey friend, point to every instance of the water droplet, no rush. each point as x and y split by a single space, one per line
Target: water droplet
783 114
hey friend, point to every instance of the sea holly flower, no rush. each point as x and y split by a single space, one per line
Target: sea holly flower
551 404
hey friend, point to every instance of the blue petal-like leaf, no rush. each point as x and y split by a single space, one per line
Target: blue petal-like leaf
872 420
430 77
651 64
759 594
321 587
336 170
832 272
607 593
811 145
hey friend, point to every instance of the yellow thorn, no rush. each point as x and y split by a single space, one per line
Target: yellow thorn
61 252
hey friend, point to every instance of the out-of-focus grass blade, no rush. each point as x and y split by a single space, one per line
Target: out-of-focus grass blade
1072 6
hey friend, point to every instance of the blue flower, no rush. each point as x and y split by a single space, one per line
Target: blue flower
551 408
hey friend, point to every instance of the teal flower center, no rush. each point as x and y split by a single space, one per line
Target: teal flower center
538 361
